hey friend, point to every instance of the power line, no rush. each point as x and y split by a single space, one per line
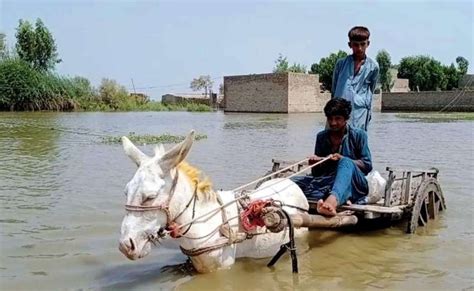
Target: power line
128 88
461 93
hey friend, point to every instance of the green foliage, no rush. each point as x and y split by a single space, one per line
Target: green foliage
384 61
282 66
452 76
438 117
202 82
463 65
297 68
423 72
113 95
325 68
27 83
36 46
3 46
23 88
427 74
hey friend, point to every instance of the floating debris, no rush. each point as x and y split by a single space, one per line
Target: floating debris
435 116
150 139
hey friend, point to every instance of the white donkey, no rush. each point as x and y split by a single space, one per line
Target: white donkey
166 193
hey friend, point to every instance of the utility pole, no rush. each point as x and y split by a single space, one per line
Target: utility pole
133 85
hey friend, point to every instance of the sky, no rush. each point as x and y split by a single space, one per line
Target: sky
163 45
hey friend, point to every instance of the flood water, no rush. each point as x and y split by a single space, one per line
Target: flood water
61 199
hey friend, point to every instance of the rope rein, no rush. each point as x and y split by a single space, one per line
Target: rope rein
230 236
213 211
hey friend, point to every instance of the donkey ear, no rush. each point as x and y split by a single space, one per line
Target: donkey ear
178 153
133 152
159 150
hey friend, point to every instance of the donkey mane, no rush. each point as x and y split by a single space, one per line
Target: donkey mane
204 186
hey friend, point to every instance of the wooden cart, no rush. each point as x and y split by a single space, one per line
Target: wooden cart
412 194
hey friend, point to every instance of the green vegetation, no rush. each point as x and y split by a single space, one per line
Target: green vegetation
437 117
423 72
427 74
383 59
325 68
28 81
202 82
282 66
36 46
151 139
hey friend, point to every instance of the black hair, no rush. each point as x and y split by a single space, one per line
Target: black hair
359 33
338 106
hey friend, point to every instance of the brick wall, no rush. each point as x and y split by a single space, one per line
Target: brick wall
282 93
304 93
256 93
429 101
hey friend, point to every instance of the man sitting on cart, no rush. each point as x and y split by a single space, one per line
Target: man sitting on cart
342 178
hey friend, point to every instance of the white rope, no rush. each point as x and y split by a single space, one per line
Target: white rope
215 210
460 94
269 175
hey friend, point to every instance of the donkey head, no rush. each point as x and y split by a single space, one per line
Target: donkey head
148 195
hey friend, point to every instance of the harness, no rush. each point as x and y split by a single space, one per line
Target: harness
229 235
173 229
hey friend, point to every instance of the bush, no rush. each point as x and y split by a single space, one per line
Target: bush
23 88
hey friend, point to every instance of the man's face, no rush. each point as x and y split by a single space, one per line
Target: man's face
359 47
337 122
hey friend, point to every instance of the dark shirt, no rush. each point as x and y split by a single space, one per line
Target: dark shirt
354 146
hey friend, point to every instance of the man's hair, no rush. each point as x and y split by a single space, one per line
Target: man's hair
338 106
359 33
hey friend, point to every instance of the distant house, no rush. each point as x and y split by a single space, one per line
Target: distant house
174 98
400 85
140 98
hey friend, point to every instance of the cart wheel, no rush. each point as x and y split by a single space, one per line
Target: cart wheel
429 201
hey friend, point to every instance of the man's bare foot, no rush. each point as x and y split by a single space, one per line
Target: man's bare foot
328 207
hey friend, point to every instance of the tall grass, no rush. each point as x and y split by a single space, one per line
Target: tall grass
23 88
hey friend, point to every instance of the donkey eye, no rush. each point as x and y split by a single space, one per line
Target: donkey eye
150 197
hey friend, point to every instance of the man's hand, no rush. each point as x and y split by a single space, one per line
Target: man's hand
336 157
314 159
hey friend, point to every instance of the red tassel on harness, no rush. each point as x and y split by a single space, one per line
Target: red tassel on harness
173 230
252 216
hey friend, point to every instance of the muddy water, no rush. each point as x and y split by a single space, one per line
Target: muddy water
61 195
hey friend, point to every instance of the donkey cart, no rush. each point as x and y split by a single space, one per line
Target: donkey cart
412 194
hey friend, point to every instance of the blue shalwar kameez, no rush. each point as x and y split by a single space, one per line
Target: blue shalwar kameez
358 89
342 178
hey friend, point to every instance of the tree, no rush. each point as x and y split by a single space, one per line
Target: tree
423 72
297 68
202 82
383 58
325 68
463 65
3 46
452 76
36 46
282 66
112 93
